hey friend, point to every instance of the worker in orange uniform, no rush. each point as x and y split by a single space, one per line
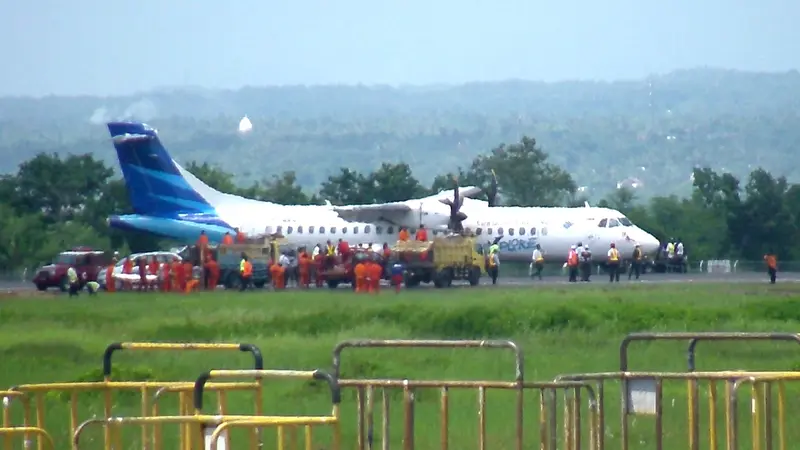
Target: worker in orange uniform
422 234
188 270
178 276
111 284
572 264
127 269
152 269
141 263
316 266
375 273
387 252
344 249
360 272
304 269
278 274
166 276
240 237
227 239
403 235
212 271
772 266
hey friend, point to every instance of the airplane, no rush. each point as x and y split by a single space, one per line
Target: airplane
171 202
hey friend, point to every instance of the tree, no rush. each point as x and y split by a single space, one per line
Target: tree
392 183
347 187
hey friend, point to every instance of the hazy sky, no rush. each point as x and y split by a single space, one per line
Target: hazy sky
114 47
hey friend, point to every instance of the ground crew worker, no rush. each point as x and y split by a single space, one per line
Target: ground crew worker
360 272
772 266
175 271
317 268
166 280
397 275
572 263
212 273
344 249
422 234
245 272
202 243
375 272
304 268
636 262
277 273
92 287
152 269
585 259
111 284
127 269
613 263
240 237
330 250
387 252
142 264
403 234
74 282
494 265
537 262
188 270
227 239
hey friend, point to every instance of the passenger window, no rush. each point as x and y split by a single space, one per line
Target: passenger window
510 231
344 230
321 230
521 231
300 229
544 231
613 223
333 230
478 231
366 229
390 230
603 223
311 229
288 230
279 230
435 232
500 231
489 231
378 229
533 231
355 230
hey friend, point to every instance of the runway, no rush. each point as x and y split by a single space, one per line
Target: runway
20 287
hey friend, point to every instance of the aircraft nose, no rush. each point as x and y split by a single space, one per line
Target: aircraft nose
649 243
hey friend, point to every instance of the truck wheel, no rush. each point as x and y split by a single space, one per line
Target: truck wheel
474 276
41 287
64 284
233 281
259 284
333 284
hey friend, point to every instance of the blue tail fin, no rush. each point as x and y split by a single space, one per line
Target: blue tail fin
155 185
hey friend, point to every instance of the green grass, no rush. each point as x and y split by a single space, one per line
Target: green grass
562 330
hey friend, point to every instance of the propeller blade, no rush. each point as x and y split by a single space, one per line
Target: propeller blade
492 194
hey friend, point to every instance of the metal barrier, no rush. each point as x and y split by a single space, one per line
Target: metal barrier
575 431
199 427
107 387
762 413
42 436
642 395
694 339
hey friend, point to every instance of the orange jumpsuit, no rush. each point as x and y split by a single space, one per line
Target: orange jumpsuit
375 272
317 265
190 282
422 234
403 235
304 268
178 276
277 273
152 269
227 240
213 273
360 272
127 268
166 280
111 285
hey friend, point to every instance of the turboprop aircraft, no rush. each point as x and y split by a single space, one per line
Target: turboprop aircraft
169 201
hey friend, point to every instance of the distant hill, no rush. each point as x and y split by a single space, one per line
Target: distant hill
652 130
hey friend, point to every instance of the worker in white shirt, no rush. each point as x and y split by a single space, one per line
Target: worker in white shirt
613 263
537 262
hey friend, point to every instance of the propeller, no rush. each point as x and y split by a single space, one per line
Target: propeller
456 216
492 194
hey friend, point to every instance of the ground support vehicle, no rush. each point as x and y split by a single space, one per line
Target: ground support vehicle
446 258
86 261
261 251
338 270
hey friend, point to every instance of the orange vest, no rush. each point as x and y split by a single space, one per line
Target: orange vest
248 269
572 259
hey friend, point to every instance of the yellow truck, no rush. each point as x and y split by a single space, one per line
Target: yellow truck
259 250
442 260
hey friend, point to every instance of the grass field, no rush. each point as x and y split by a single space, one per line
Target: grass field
562 330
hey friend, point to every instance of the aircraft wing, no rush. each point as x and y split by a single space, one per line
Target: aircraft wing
389 212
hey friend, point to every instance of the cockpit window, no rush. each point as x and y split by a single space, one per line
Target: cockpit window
603 223
613 223
625 222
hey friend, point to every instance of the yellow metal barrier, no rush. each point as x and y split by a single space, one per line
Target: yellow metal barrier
42 436
9 398
199 427
576 431
642 395
767 399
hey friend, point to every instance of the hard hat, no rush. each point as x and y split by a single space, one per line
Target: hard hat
613 245
573 247
637 244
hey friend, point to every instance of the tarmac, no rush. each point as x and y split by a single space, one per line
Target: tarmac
20 286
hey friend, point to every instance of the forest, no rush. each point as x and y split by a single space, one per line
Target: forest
651 134
56 201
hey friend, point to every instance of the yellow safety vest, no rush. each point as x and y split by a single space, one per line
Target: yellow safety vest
331 250
614 257
241 266
492 261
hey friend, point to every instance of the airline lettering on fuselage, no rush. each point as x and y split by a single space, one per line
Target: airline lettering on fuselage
517 245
